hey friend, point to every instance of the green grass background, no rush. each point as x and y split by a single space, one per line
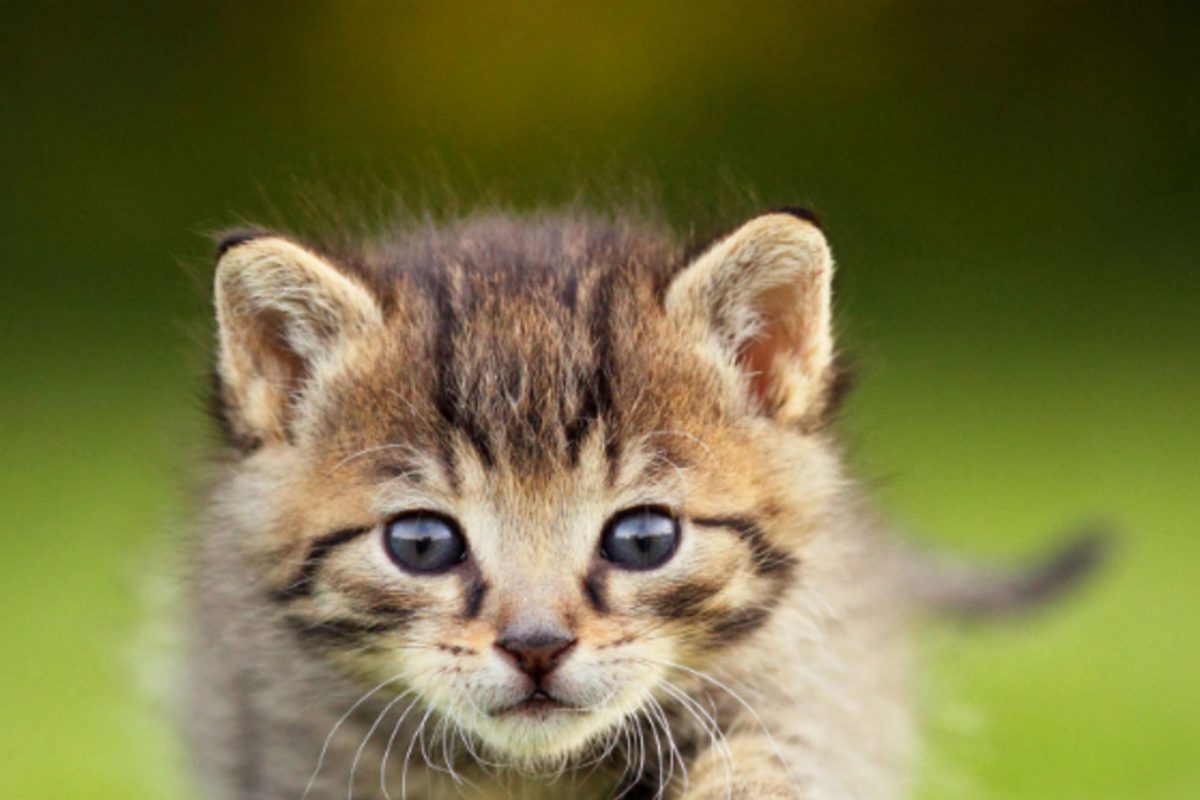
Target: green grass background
1012 189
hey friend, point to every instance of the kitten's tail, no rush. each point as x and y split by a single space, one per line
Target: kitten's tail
954 587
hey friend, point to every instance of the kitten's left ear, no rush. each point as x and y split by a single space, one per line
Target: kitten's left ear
758 304
282 311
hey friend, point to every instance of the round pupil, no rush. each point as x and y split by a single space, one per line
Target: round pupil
641 539
425 543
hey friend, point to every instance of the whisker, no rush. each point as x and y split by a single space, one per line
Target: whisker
388 750
683 435
469 746
333 731
749 709
710 726
635 735
673 749
660 771
366 739
368 450
614 736
408 755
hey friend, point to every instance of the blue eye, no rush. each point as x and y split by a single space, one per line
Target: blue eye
425 542
641 538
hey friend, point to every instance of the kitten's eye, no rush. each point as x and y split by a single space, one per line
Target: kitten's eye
642 538
424 542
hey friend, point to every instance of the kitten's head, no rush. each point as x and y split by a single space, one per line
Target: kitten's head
528 469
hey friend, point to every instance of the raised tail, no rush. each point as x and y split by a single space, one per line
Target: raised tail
957 588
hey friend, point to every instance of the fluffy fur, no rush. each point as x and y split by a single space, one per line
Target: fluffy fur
530 378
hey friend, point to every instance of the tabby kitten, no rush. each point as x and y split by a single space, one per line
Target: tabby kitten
544 508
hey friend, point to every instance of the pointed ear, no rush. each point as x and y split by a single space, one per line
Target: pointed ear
758 304
281 311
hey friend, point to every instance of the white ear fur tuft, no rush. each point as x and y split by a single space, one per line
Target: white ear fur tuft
758 303
281 309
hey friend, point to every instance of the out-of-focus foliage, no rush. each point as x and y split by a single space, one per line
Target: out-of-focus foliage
1012 190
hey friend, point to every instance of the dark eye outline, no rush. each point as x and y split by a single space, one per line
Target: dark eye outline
450 524
617 518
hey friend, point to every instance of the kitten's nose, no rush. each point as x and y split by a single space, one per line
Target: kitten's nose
536 651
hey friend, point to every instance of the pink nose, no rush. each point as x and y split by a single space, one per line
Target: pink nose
537 651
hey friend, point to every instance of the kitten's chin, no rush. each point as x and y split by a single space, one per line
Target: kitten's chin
544 736
547 730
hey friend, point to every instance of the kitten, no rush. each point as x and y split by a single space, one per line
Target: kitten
544 508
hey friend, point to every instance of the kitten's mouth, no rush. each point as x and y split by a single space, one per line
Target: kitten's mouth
538 705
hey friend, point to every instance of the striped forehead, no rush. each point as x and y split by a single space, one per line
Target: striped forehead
516 354
522 371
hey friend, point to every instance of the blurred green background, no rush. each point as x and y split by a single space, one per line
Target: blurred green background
1013 191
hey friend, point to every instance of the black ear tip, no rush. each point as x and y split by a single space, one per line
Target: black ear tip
800 213
228 240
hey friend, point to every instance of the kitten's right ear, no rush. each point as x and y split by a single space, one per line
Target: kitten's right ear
281 311
757 303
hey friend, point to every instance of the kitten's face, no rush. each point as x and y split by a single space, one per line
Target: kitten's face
532 501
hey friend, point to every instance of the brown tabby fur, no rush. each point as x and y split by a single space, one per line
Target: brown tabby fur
530 378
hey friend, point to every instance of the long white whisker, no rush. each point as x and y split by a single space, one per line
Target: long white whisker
658 753
388 750
749 709
636 735
627 740
710 726
425 753
367 451
673 749
451 728
366 739
614 737
484 764
682 435
408 755
333 731
475 754
600 703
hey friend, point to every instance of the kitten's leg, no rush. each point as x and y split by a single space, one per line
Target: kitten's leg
747 768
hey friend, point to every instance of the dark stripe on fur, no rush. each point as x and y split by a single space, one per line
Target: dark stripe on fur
302 584
446 395
476 591
594 590
570 292
605 368
379 606
733 626
338 631
612 454
577 429
449 464
595 390
686 600
768 559
390 613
